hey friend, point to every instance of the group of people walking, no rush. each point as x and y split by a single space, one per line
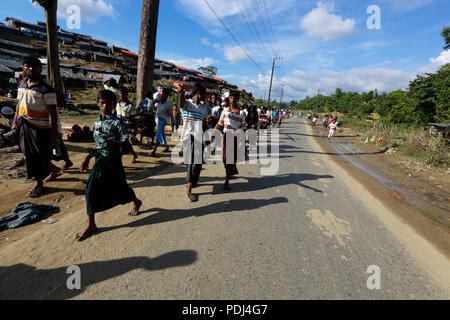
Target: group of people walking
329 122
37 126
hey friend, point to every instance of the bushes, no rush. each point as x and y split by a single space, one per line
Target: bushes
411 144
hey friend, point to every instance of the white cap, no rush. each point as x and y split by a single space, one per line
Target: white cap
157 96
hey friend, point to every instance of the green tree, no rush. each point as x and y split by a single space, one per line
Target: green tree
210 71
446 34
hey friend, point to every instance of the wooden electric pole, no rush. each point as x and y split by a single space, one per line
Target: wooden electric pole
147 44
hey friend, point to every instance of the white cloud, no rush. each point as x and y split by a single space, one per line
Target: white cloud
443 58
199 11
321 23
192 63
205 42
234 54
91 10
300 84
386 63
437 62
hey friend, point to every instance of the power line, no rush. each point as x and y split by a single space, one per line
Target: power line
270 23
265 31
247 9
254 36
232 35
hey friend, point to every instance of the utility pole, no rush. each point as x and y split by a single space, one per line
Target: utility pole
281 98
271 78
317 104
147 43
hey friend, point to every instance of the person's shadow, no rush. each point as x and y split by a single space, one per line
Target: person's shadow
22 281
268 182
165 215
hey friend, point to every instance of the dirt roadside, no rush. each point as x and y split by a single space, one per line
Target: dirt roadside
67 192
432 184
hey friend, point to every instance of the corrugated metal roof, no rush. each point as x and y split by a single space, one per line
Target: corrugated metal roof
13 64
5 69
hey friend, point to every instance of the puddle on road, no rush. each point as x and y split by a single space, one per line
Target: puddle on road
350 152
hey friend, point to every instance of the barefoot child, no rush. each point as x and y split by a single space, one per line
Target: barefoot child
107 186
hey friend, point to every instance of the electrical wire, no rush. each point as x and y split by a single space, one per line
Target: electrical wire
232 35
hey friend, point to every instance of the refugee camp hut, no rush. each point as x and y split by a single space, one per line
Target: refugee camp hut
167 75
115 49
5 74
188 75
23 48
439 129
92 47
13 64
16 23
106 58
130 57
13 54
9 30
75 55
100 43
76 37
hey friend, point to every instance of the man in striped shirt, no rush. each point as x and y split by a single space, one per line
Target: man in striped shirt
193 111
37 121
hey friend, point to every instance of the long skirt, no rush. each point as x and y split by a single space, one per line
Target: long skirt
231 168
35 145
107 186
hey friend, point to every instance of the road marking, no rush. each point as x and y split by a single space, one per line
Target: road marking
330 225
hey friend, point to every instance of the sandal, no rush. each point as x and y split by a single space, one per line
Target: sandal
192 198
35 192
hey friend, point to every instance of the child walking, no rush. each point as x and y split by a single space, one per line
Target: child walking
107 186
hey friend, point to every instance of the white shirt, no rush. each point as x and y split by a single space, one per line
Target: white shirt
216 111
193 115
332 126
232 121
164 111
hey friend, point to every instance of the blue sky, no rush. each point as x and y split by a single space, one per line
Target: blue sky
324 44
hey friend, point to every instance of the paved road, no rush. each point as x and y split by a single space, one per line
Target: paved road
301 234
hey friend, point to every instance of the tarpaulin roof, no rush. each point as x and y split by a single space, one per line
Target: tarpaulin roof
129 53
4 69
441 125
17 44
13 64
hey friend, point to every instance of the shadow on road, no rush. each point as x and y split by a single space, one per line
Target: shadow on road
268 182
164 215
22 281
